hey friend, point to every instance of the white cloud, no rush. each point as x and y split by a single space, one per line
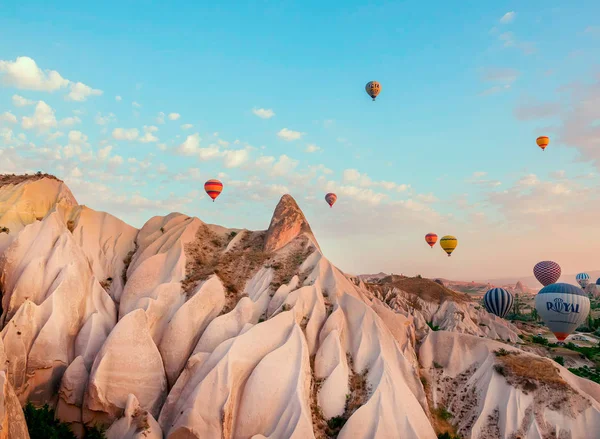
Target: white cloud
42 120
70 121
20 101
284 165
209 153
8 117
104 153
6 135
190 146
116 160
187 126
77 138
263 113
129 134
80 92
289 135
312 148
104 120
479 174
24 74
351 175
76 173
427 198
118 98
235 158
508 17
136 105
160 119
53 136
148 136
528 180
174 116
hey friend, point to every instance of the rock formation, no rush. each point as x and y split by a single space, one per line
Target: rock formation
183 329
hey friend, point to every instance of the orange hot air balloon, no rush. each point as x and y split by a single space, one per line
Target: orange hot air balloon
431 239
373 88
331 198
542 142
213 188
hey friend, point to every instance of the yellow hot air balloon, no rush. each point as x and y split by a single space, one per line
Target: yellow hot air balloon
542 142
373 88
448 243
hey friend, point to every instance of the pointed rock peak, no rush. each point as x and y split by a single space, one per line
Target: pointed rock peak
287 223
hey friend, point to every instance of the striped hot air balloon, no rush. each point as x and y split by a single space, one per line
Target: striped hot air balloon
546 272
562 307
542 142
213 188
583 279
448 243
373 88
331 198
498 301
431 239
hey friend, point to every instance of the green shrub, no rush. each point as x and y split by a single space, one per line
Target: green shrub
539 339
560 360
42 424
433 327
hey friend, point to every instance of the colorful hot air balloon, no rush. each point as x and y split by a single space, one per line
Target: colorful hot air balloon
498 301
448 243
213 188
431 239
373 88
542 142
331 198
562 307
583 279
546 272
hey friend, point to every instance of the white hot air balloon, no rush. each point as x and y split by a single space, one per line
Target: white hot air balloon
562 307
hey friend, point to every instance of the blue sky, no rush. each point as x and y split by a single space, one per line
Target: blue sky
448 147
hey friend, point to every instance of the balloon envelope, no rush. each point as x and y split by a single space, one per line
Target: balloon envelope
373 88
213 188
583 279
598 281
498 301
546 272
562 307
331 198
431 239
542 142
448 243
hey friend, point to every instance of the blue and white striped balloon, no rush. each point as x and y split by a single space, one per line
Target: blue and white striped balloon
498 301
582 279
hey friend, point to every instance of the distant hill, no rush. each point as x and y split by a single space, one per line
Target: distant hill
531 281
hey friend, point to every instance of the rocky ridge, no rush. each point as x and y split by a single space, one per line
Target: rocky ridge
183 329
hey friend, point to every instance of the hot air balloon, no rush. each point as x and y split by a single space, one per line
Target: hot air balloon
583 279
448 243
373 88
546 272
498 301
213 188
431 239
331 198
598 281
542 142
562 307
